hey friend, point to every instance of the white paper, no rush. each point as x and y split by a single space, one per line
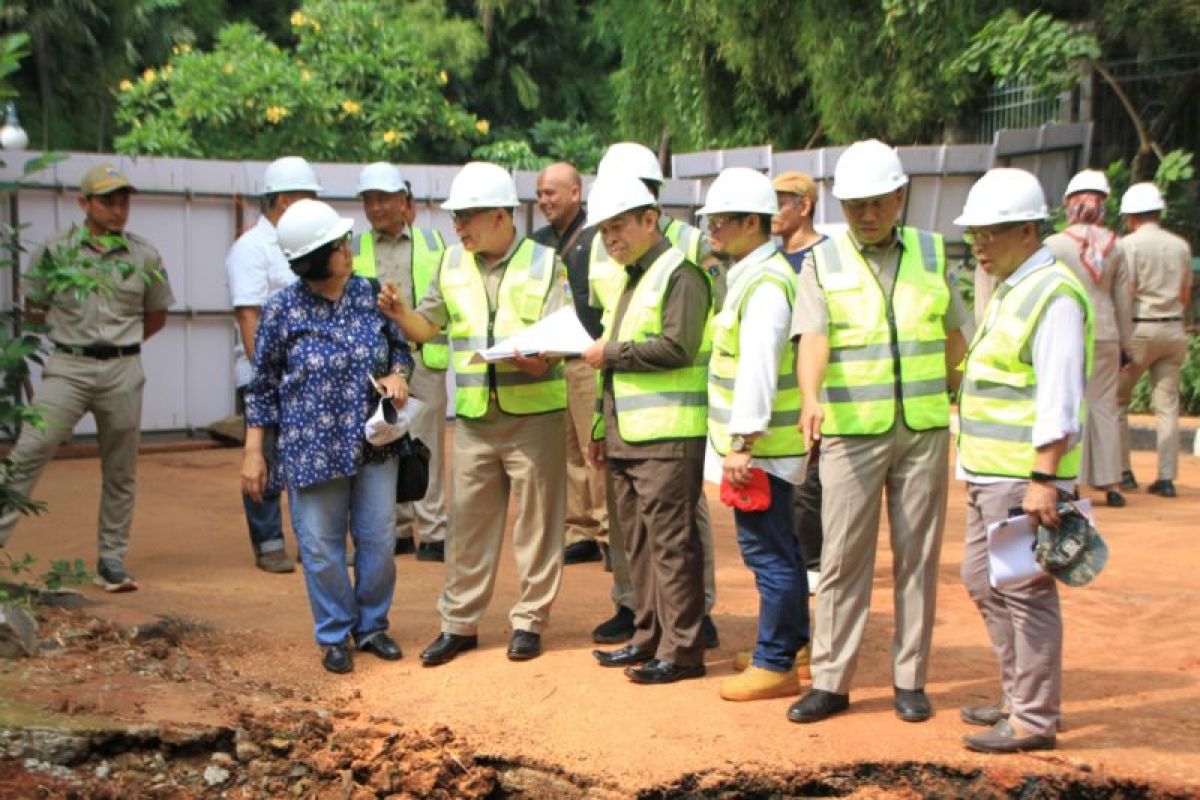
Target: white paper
379 432
1010 549
560 334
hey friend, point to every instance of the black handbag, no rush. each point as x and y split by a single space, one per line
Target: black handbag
412 479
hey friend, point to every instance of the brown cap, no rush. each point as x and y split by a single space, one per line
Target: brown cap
104 179
800 183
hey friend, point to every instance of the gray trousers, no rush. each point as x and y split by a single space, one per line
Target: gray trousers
1024 622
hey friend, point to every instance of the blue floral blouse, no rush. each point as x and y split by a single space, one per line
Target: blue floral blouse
311 361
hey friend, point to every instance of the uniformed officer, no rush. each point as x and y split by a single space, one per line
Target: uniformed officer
1020 419
880 326
395 252
753 411
650 426
1161 264
637 159
510 418
255 269
95 364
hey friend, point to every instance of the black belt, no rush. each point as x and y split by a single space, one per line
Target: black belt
100 352
1158 319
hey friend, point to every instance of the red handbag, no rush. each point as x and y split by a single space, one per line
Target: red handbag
753 495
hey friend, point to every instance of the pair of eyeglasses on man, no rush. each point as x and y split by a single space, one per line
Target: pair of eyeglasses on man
463 216
987 235
720 220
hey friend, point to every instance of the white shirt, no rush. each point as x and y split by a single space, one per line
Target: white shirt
1059 365
762 338
255 269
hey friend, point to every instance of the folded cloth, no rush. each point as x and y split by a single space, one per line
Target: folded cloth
386 425
753 495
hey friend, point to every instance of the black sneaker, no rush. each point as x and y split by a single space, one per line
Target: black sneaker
431 551
112 577
405 546
583 552
616 629
1128 482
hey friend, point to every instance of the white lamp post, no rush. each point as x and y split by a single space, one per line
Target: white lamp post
12 135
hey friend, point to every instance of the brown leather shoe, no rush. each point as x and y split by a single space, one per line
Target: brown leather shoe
1001 738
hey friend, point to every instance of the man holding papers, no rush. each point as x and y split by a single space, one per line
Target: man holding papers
510 414
651 425
1020 412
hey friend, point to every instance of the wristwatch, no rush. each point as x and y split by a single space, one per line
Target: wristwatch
1042 477
738 443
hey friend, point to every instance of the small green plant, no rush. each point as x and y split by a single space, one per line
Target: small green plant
64 572
25 588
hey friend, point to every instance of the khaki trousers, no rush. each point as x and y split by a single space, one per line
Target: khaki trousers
587 511
112 391
655 501
1100 464
495 458
1024 622
854 471
429 425
1159 347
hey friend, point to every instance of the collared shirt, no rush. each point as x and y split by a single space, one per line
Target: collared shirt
312 358
1058 358
101 318
255 269
1161 264
574 247
762 339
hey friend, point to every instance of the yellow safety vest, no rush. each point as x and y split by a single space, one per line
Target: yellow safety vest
520 302
606 277
997 404
427 250
781 438
884 349
685 238
666 404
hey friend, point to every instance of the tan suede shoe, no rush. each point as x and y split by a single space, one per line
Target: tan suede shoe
760 684
741 660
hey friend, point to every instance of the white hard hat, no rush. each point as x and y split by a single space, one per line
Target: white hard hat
1004 195
741 190
867 169
631 157
480 184
290 174
615 193
381 177
1090 180
1142 198
308 224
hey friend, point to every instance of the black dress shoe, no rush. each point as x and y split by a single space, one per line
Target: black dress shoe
431 551
1128 482
1114 499
524 645
818 705
616 629
337 658
656 671
624 657
708 632
404 546
383 646
445 647
582 552
912 705
1162 488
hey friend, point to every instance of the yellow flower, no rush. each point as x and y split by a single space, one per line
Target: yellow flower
391 136
181 49
483 126
227 69
126 85
351 106
443 78
305 75
149 75
275 114
167 70
298 19
316 26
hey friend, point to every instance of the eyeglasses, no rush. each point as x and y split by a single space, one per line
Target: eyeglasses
986 236
466 215
719 220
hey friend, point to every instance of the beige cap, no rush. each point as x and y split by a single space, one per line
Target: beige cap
104 179
800 183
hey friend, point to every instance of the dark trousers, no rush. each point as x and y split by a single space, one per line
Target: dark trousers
807 510
265 519
773 553
655 500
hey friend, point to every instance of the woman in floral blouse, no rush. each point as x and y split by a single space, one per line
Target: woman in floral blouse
319 343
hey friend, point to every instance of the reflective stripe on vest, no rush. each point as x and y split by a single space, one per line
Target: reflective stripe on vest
426 254
685 238
781 438
997 404
520 301
666 404
880 345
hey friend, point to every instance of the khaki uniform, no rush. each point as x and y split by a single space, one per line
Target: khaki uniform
497 457
854 470
1111 294
1161 264
110 387
393 261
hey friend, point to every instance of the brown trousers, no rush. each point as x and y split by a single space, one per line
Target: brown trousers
587 511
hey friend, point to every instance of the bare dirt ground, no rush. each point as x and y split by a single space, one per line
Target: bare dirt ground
238 658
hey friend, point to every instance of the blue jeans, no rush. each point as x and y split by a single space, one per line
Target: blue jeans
771 550
265 521
366 503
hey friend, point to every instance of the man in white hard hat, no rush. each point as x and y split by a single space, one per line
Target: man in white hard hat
753 411
636 159
393 251
1161 264
255 269
1019 445
880 326
1098 259
560 199
650 426
510 414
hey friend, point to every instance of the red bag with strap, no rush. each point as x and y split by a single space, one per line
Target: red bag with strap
753 495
